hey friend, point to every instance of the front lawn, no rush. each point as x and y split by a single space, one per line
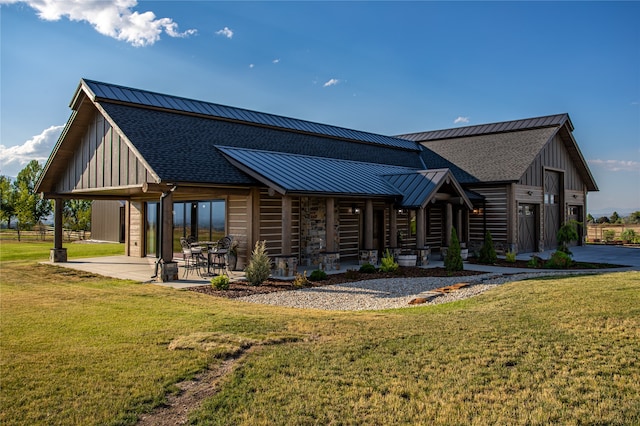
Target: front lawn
82 349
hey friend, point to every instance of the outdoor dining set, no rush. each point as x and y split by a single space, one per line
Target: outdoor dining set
206 258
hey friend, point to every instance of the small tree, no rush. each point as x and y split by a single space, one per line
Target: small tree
567 233
7 200
259 267
615 218
453 260
77 215
29 208
487 251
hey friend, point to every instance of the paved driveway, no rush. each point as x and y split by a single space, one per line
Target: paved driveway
618 255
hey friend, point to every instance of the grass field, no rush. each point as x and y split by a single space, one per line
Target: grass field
82 349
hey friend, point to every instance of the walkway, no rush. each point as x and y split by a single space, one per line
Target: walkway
141 269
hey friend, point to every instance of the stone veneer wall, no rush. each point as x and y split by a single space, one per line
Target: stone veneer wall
313 231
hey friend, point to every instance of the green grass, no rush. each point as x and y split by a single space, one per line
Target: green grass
13 250
81 349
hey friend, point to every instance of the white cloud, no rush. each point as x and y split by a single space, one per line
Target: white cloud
14 158
461 119
275 61
616 165
226 31
114 18
251 65
331 82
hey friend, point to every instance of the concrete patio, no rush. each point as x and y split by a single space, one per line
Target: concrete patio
142 269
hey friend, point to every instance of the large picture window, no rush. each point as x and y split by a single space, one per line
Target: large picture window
203 220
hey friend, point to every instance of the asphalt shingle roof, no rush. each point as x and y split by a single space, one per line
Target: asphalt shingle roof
494 157
180 147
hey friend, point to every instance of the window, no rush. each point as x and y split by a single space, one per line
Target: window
203 220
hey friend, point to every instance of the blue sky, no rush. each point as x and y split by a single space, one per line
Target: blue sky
384 67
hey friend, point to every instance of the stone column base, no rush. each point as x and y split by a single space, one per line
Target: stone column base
168 272
58 255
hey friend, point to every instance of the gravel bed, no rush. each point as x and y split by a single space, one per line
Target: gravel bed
388 293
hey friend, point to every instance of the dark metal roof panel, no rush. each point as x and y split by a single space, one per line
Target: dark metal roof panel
484 129
308 174
142 97
417 187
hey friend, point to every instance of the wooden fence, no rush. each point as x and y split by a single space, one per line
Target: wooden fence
597 233
43 233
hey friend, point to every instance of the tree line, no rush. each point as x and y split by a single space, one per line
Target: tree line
615 218
22 209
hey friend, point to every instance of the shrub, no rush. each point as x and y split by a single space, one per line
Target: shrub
368 268
453 261
221 282
301 280
487 251
629 236
559 260
259 267
388 263
318 275
510 257
568 232
608 235
534 262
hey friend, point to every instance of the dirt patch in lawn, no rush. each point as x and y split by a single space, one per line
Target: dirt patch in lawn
241 289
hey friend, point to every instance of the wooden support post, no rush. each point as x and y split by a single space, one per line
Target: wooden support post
393 226
57 253
459 224
166 245
368 224
420 226
448 224
286 225
330 225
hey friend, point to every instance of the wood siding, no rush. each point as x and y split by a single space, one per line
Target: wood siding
495 215
553 155
136 228
271 223
349 229
106 221
102 160
237 226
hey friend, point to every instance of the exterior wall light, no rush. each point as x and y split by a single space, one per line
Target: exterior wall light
355 210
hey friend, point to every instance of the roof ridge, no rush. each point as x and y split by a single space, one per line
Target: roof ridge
182 104
553 120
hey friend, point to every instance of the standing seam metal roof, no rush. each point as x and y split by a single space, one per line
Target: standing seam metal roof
142 97
304 173
484 129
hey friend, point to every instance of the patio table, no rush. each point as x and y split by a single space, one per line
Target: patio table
212 251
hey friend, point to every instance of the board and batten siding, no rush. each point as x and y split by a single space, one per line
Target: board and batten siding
106 220
554 155
102 160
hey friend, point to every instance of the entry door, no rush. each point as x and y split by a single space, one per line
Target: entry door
527 228
575 213
552 187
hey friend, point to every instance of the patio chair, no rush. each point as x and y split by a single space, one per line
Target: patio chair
219 257
193 258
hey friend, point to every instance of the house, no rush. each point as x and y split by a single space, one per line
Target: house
316 193
530 172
